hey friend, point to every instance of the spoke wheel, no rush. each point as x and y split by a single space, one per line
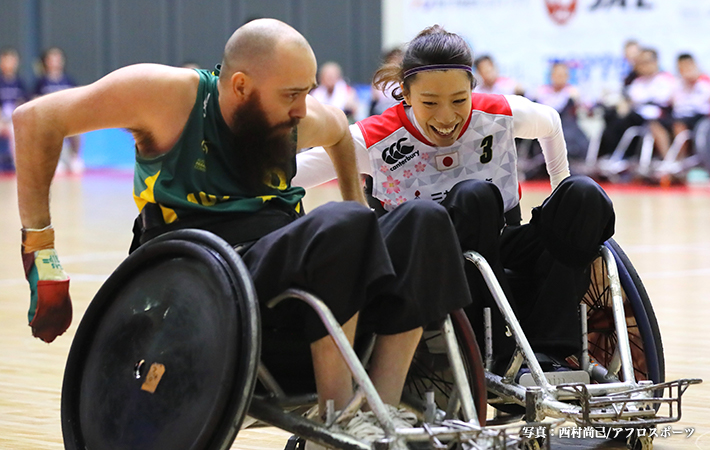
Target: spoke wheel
643 332
431 371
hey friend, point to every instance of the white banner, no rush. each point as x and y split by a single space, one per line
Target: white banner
525 36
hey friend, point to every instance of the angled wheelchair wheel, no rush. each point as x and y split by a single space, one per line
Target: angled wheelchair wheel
643 331
431 370
166 353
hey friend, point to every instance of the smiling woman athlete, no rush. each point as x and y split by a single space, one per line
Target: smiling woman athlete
447 144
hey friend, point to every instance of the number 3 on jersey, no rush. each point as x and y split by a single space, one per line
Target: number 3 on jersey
487 146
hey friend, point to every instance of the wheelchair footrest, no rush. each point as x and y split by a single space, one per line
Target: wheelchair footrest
649 404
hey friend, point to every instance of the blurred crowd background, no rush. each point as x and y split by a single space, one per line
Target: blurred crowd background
628 77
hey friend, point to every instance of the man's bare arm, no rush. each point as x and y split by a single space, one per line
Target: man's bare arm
147 98
150 100
327 126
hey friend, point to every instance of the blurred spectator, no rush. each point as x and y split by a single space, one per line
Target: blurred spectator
614 107
632 49
12 94
334 90
190 65
691 96
54 79
531 163
560 95
380 101
649 96
489 82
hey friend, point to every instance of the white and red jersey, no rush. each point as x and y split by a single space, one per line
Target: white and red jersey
405 166
691 99
410 167
649 94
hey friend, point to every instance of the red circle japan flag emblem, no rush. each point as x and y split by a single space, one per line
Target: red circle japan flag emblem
561 11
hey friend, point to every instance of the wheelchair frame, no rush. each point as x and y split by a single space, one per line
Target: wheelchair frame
276 408
627 403
440 434
613 403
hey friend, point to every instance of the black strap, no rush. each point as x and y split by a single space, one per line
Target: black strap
235 228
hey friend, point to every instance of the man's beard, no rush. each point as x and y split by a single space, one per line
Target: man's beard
259 148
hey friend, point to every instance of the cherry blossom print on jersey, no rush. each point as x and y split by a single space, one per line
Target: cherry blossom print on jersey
391 186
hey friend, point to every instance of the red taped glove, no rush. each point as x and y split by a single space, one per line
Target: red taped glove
50 311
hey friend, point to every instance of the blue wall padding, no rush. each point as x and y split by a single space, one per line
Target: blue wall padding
112 148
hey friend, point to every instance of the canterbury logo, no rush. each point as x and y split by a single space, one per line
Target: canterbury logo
396 152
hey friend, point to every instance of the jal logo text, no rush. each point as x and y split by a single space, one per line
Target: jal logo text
624 4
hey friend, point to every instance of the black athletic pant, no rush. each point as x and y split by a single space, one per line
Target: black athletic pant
555 249
401 271
476 210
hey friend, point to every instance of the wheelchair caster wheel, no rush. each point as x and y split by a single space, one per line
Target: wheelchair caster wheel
639 443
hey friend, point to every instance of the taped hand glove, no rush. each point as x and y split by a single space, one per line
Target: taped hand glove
50 310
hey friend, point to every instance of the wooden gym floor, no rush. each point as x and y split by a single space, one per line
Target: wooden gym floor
665 233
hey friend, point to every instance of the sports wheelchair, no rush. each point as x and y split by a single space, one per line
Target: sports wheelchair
168 355
618 380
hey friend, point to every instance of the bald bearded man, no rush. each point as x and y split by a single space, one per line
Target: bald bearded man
216 151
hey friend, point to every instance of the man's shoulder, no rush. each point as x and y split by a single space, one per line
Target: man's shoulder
162 98
148 85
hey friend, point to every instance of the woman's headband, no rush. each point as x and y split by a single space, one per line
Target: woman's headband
437 67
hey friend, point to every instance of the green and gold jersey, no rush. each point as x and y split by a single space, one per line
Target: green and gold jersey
199 174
